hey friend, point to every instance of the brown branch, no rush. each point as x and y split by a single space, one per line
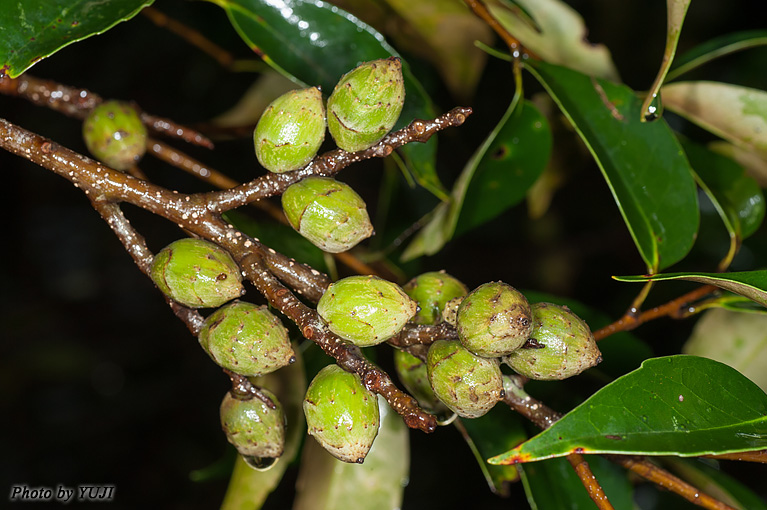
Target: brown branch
347 356
515 47
589 481
242 387
190 35
332 162
77 102
663 478
755 456
421 334
677 308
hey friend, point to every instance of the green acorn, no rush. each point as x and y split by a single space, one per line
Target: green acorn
341 414
197 273
468 384
246 339
255 429
327 212
494 320
290 131
366 310
566 345
366 104
432 291
114 134
413 374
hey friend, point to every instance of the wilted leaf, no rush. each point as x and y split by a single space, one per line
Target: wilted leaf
735 338
31 30
562 36
754 163
643 163
752 284
677 405
737 114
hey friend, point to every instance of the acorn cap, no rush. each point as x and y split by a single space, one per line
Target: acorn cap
115 135
246 339
290 131
468 384
366 310
413 374
255 429
341 414
197 273
366 103
327 212
494 320
432 291
566 345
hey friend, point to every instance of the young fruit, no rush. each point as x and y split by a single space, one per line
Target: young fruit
197 273
366 104
494 320
290 131
414 376
366 310
327 212
432 291
114 134
567 345
468 384
255 429
341 414
246 339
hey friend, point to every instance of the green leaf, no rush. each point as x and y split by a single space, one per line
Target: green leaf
676 10
315 43
248 488
676 405
553 483
643 163
558 38
736 196
31 30
716 48
497 177
326 483
737 114
752 284
717 484
496 431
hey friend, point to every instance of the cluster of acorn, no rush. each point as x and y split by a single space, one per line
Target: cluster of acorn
495 323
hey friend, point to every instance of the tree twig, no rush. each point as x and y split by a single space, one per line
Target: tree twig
515 47
589 481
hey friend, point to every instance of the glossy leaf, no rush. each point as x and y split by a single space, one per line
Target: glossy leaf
734 338
716 48
553 483
752 284
716 483
736 197
559 37
450 30
737 114
249 488
676 10
315 43
326 483
31 30
676 405
497 177
496 431
643 163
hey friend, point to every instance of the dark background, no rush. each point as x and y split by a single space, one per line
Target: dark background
100 383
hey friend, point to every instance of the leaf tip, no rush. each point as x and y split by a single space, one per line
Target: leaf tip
509 458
